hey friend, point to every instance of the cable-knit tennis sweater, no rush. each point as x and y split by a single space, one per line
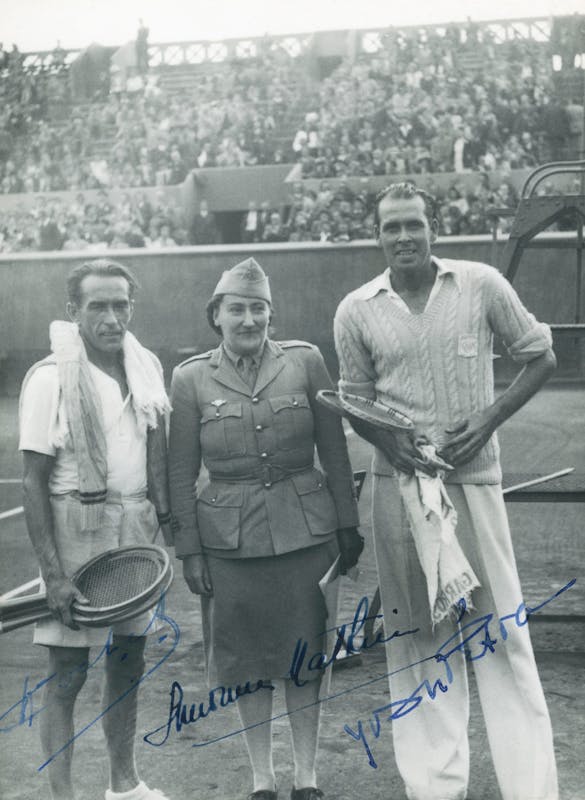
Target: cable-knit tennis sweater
436 366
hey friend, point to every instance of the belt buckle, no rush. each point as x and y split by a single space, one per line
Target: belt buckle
267 476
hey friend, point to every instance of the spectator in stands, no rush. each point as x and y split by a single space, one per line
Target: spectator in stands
574 111
164 238
142 48
275 231
263 218
177 168
299 230
59 56
50 234
342 234
250 228
73 238
555 125
134 236
203 226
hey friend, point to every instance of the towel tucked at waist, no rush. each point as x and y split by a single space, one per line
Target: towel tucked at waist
433 521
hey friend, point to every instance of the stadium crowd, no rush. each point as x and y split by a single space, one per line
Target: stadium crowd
143 135
453 101
334 213
438 105
419 105
94 225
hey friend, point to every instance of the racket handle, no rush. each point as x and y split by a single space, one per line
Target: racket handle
21 605
21 590
13 624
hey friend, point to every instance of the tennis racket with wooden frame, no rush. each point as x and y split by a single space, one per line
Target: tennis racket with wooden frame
377 414
119 584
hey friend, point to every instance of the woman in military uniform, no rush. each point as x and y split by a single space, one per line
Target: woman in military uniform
258 533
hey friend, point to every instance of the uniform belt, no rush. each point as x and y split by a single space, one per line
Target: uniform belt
113 497
266 475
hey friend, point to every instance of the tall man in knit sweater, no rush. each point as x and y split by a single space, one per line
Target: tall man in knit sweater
419 338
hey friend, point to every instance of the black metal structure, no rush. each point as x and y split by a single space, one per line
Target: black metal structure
537 212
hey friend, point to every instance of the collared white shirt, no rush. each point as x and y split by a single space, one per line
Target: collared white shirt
382 283
125 444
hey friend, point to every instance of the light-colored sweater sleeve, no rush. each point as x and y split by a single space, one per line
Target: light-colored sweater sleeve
356 370
524 337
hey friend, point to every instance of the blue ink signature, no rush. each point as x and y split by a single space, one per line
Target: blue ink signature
345 639
460 641
220 697
25 710
180 716
473 639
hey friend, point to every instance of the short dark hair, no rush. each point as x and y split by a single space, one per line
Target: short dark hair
213 305
210 309
404 191
103 267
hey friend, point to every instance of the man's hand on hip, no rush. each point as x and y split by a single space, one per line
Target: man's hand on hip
468 438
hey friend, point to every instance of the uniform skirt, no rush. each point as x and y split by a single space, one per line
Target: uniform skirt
260 609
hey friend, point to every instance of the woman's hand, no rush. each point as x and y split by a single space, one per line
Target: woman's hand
351 544
196 575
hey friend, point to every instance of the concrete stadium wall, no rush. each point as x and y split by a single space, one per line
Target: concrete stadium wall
308 281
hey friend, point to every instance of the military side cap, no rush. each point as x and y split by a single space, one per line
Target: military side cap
247 279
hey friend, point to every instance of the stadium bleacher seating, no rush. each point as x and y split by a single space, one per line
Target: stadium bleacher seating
455 99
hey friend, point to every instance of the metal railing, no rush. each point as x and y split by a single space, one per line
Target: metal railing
368 41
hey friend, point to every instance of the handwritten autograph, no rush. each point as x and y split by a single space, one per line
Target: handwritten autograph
24 710
474 639
466 639
218 698
346 638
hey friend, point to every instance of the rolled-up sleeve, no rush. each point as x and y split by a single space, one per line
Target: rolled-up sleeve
524 337
38 411
184 462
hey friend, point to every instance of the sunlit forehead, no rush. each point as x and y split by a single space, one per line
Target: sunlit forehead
110 290
399 211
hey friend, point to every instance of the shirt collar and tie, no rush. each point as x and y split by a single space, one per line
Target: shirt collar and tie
246 366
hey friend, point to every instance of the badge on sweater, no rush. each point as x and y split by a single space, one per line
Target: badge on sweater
468 345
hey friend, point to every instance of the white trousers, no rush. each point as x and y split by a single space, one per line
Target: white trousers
431 742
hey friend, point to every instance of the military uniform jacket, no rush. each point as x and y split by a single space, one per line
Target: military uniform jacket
263 495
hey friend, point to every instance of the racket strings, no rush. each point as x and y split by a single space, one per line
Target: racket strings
110 582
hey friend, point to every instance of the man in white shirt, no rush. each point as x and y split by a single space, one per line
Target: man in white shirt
93 440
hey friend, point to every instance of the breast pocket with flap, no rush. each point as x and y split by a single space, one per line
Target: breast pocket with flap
292 419
222 431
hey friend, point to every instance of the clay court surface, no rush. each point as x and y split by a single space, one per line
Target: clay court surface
547 435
